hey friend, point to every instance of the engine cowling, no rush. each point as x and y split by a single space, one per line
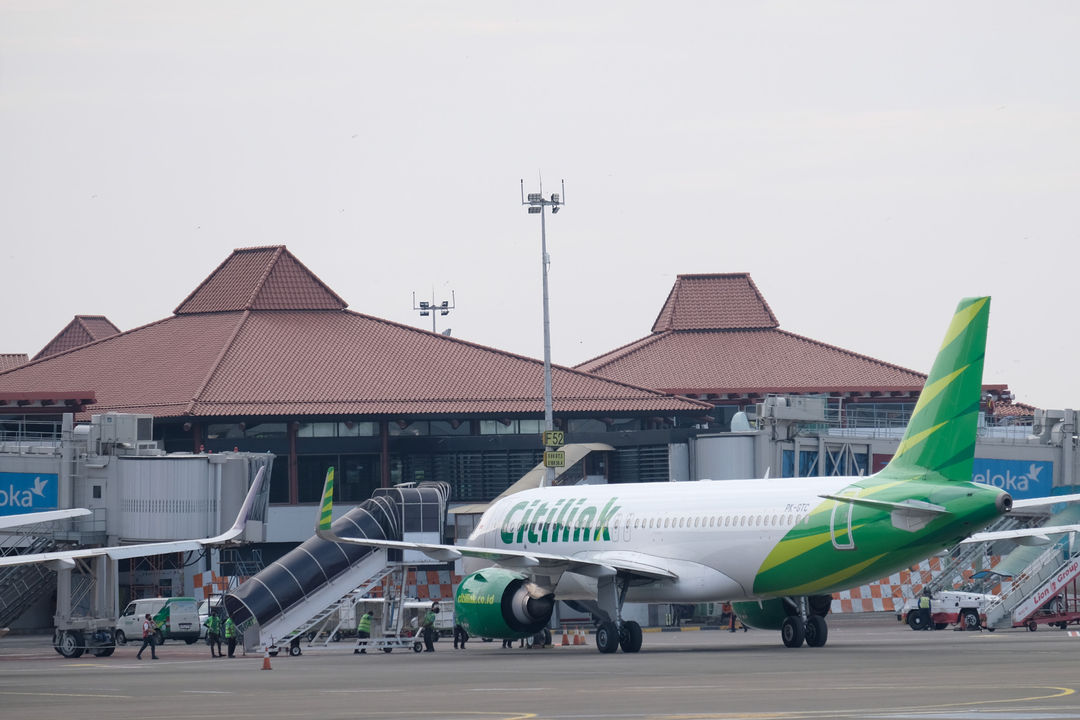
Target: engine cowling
498 603
763 615
770 614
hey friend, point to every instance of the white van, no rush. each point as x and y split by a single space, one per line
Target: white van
180 622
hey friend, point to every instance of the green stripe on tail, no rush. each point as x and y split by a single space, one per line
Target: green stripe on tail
327 509
941 434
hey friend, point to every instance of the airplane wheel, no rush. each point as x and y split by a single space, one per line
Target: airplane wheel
121 638
71 644
630 637
793 632
607 637
294 649
817 631
970 620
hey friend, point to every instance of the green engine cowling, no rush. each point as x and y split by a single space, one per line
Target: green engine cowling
496 603
770 614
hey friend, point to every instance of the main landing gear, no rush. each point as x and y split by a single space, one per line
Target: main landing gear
612 632
806 623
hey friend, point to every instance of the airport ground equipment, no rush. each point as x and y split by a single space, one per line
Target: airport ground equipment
947 607
1052 574
272 606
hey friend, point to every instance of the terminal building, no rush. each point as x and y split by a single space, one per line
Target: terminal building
263 358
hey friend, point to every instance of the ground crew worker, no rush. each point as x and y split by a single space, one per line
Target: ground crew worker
460 636
213 633
148 631
429 628
924 608
363 632
230 636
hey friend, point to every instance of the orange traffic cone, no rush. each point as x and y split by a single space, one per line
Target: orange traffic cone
577 637
266 658
565 637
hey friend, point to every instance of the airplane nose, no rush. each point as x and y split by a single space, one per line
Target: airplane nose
1004 502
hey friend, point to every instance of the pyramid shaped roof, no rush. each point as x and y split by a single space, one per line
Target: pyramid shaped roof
80 331
716 336
263 336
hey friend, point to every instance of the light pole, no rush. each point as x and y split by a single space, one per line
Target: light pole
537 203
431 308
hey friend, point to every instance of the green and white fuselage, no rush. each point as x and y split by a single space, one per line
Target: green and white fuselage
739 539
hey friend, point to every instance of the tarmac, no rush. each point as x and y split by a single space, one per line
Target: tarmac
872 667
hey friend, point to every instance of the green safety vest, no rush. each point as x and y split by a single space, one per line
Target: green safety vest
230 628
924 603
213 625
365 623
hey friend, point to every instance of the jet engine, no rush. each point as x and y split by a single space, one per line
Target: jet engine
770 614
501 603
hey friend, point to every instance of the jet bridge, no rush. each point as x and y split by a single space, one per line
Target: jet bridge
273 606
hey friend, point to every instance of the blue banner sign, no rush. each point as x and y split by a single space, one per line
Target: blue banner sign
1019 478
28 492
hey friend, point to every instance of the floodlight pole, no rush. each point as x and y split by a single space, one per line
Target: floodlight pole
443 309
537 203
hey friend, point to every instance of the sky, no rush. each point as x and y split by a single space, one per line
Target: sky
868 163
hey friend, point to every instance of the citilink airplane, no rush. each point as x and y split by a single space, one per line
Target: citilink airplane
775 548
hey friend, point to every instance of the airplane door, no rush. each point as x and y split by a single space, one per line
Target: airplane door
840 524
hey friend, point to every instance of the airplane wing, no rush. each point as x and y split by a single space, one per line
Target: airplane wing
40 517
1044 501
1036 535
119 552
593 564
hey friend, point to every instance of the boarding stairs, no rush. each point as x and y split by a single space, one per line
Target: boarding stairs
1032 587
299 592
21 586
970 556
299 620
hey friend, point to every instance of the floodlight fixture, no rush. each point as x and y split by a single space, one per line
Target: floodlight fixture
428 308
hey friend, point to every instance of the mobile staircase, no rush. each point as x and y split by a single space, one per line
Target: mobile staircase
293 595
1041 581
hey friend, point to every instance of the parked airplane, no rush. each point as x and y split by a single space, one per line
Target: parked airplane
66 558
775 548
10 521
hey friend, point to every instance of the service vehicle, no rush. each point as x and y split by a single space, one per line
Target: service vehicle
948 607
176 619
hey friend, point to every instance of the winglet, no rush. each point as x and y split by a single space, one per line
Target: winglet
242 516
326 510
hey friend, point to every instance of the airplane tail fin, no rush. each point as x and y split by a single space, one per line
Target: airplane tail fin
326 509
940 436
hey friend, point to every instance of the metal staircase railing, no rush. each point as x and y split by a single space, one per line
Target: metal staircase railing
1053 559
22 585
326 634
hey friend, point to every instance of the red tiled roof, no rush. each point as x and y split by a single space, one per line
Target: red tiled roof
725 301
12 360
80 331
716 335
305 360
748 361
261 278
